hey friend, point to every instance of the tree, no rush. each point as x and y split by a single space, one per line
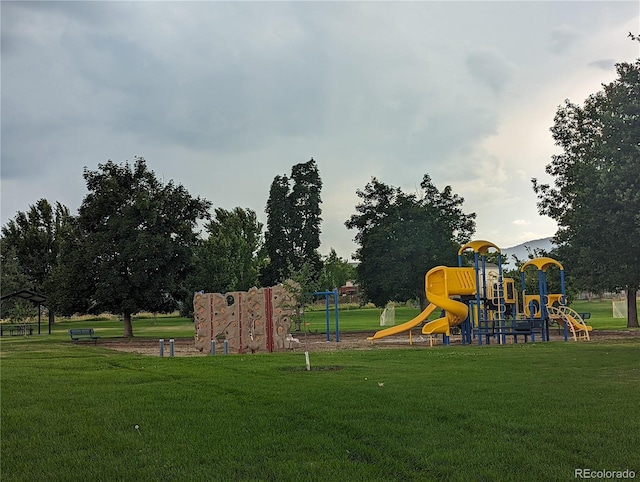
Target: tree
336 271
595 198
228 260
70 288
402 236
277 246
293 212
135 236
12 279
33 240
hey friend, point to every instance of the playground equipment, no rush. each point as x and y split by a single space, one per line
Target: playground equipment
485 306
240 321
334 294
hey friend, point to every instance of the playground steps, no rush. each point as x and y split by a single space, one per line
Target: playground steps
565 316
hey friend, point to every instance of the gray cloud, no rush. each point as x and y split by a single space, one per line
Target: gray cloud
222 96
563 38
603 64
490 68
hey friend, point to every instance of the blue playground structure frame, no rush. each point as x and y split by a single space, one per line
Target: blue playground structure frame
326 294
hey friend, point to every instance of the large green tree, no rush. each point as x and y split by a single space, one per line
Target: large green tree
595 197
402 236
33 239
293 212
135 236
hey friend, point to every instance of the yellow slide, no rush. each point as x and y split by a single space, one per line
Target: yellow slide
437 327
394 330
441 283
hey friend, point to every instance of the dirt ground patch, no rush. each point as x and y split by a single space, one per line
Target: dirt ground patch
318 342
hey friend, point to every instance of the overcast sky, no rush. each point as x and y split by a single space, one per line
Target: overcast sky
223 96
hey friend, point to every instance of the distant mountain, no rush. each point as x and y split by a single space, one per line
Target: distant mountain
522 250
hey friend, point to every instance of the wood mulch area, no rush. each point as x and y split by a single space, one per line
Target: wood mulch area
318 342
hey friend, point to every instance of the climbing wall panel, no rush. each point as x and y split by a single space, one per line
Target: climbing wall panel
250 322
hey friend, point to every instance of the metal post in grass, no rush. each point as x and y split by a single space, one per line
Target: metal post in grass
161 347
326 308
335 302
213 347
171 350
226 347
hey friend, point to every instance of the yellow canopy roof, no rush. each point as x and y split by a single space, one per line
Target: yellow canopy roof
478 246
542 264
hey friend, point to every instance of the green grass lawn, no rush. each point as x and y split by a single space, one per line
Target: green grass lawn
601 314
519 412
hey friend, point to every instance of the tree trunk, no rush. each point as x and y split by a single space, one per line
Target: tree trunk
128 328
632 309
424 302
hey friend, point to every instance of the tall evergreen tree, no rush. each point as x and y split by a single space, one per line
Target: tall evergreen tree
293 212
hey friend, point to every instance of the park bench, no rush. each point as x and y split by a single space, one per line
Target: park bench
81 334
13 330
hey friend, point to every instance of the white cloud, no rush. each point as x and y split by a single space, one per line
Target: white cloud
521 222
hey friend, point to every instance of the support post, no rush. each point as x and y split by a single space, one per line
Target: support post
335 300
161 346
326 306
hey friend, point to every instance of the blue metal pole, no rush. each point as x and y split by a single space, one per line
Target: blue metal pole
171 351
479 316
564 301
161 346
335 299
543 293
326 306
524 291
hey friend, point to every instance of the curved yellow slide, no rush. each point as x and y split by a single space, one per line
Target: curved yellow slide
578 325
442 282
394 330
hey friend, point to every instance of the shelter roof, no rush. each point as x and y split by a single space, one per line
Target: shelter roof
28 295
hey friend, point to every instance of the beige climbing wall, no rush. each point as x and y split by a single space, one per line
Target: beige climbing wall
226 323
202 317
283 306
253 321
